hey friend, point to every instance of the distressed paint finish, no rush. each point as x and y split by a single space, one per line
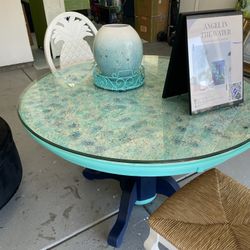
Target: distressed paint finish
67 110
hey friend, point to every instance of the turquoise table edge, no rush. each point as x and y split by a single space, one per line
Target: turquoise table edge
144 169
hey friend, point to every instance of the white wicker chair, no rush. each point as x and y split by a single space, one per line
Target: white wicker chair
70 29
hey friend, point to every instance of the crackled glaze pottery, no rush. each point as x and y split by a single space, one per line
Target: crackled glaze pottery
117 49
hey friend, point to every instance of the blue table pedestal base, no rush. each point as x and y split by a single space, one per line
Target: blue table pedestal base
135 190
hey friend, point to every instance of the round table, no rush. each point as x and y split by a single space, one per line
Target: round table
135 136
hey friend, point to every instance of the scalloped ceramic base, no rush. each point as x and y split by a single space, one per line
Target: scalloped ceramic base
117 82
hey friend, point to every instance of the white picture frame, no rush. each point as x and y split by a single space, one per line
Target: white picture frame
215 60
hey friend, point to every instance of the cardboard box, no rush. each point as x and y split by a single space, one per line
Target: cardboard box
151 7
149 27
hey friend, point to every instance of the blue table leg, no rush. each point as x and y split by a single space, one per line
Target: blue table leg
129 196
135 190
166 185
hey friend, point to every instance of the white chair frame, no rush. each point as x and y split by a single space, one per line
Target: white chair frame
153 240
51 28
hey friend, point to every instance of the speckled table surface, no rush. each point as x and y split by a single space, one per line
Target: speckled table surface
67 110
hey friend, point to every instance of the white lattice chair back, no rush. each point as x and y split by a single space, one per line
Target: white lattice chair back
70 29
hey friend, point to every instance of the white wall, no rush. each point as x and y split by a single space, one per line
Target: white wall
191 5
14 41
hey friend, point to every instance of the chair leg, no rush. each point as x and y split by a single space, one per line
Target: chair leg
152 242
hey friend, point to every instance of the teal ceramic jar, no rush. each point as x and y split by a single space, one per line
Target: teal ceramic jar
117 50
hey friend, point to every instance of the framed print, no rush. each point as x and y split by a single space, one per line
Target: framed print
215 60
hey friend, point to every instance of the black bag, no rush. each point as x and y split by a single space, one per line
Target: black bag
10 164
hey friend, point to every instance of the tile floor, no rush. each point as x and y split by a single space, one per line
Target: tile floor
55 207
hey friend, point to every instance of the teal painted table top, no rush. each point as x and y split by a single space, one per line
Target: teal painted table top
66 111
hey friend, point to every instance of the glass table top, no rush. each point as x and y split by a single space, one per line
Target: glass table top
68 111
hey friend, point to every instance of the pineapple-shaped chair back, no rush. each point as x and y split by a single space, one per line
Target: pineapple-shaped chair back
70 29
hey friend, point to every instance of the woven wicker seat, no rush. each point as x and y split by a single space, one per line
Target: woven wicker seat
211 212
